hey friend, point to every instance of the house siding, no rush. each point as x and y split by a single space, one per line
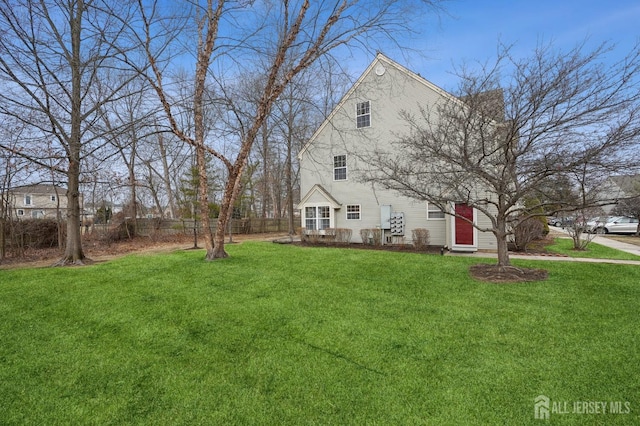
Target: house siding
391 93
41 205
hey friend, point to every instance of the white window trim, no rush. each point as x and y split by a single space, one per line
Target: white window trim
20 212
346 171
438 209
316 205
362 115
452 223
30 198
347 211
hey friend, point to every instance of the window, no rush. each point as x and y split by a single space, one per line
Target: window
339 167
20 212
317 218
53 198
27 200
363 114
434 212
353 211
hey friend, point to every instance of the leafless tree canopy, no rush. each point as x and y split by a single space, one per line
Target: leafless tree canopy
54 59
273 41
67 72
514 129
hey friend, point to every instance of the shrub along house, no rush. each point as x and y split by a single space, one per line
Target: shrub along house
370 114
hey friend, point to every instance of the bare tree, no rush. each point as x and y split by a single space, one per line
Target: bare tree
577 227
54 55
170 164
288 36
515 125
127 123
12 170
296 115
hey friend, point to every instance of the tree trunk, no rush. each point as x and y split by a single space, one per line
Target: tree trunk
226 210
265 176
5 211
166 177
289 180
203 187
231 192
154 190
3 242
58 215
134 196
73 253
501 239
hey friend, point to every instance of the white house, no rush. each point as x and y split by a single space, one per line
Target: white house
369 115
619 187
38 201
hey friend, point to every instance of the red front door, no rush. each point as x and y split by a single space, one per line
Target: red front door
464 228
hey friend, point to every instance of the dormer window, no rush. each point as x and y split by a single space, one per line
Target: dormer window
363 114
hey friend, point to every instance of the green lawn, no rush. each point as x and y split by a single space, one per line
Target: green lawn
594 250
289 335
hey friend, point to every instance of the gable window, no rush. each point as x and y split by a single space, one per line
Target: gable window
317 217
353 211
27 200
434 212
363 114
339 167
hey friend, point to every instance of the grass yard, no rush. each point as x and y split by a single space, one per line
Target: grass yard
594 250
288 335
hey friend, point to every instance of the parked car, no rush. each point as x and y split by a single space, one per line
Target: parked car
554 221
620 225
598 222
567 221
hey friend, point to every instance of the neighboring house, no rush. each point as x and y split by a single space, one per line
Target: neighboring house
370 115
618 187
38 201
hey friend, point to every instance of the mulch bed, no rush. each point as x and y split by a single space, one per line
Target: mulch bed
506 274
404 248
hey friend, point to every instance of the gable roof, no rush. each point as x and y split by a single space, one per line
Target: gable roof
629 184
324 193
380 58
40 188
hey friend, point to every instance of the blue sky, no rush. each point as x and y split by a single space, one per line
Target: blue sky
471 29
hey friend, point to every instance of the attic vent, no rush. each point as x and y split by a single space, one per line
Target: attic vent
380 70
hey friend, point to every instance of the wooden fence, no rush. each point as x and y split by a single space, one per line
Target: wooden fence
147 227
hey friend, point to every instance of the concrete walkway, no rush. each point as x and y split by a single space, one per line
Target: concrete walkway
618 245
604 241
